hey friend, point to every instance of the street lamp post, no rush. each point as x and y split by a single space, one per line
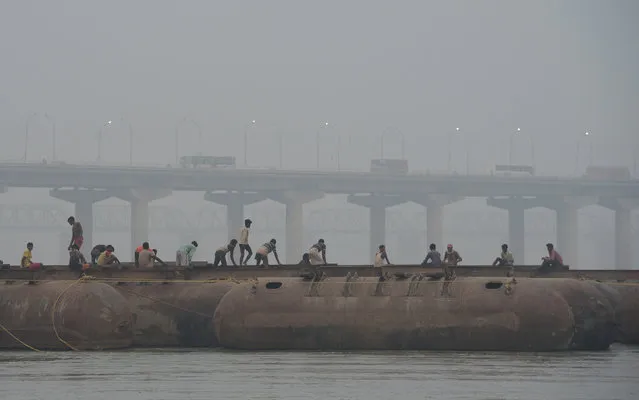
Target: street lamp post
317 144
246 127
130 129
106 124
532 147
388 131
53 135
584 136
177 135
450 150
510 145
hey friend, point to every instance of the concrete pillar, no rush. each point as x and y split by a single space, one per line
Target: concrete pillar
516 207
376 205
568 234
139 200
434 204
234 202
83 200
623 229
567 210
294 236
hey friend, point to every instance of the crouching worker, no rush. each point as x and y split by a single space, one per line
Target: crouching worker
220 254
26 261
148 257
76 258
317 253
107 257
505 258
261 255
96 251
552 262
306 259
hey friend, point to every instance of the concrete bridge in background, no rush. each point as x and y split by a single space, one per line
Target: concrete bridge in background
85 185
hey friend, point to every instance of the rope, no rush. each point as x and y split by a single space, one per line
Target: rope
55 329
18 340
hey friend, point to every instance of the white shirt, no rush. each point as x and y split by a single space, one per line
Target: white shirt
244 234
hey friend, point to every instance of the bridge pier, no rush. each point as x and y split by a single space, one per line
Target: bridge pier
83 200
139 200
376 205
294 237
434 205
623 229
567 209
234 202
516 207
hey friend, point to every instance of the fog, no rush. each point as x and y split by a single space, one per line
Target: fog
349 72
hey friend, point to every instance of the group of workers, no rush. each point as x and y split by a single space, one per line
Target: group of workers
146 257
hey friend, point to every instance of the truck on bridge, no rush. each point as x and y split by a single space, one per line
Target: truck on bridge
207 161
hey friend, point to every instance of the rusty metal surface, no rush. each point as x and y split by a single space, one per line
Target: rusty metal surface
628 313
202 271
88 315
366 314
174 315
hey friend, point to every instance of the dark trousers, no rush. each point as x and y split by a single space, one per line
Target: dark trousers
261 259
245 248
220 259
549 266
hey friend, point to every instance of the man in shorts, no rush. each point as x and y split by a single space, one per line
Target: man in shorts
261 255
77 235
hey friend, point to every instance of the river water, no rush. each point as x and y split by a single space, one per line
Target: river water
216 374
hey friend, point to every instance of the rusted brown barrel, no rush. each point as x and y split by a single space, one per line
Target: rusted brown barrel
87 315
414 313
628 312
175 314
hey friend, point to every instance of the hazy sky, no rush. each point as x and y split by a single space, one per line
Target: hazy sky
553 68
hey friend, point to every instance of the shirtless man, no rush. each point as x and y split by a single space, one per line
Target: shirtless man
77 237
317 253
451 256
220 254
244 245
261 255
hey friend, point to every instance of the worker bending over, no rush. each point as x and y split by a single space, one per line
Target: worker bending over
220 254
317 253
76 258
107 257
184 255
261 255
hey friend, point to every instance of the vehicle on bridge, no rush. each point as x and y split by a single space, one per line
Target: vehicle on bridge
389 166
516 170
605 173
207 161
